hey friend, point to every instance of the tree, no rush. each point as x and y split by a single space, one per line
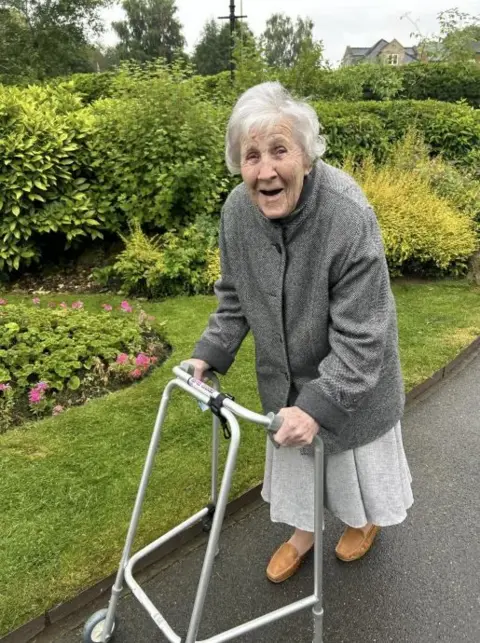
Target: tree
213 51
44 38
150 31
283 40
457 41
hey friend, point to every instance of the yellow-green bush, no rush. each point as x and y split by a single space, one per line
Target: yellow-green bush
421 231
162 265
460 188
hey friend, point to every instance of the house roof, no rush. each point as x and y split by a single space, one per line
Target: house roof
371 53
358 51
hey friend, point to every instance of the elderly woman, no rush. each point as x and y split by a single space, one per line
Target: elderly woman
303 267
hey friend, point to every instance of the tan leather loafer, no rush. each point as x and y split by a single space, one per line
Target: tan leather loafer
354 543
284 563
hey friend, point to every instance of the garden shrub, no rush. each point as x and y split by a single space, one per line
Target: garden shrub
421 231
53 356
159 266
90 87
44 185
157 152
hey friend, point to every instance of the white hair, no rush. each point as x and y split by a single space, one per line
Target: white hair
264 105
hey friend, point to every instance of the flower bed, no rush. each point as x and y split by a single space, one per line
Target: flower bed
53 356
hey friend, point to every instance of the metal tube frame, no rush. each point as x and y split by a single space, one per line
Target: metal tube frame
229 411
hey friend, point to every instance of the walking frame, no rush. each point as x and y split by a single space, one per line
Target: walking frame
100 628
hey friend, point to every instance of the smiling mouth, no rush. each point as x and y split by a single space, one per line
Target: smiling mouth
271 192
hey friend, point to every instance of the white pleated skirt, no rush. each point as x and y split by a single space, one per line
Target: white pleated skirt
369 484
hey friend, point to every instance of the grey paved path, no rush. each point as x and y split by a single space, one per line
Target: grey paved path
419 584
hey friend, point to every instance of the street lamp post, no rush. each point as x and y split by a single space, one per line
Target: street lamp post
233 20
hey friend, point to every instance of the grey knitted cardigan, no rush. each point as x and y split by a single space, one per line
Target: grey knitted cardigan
314 290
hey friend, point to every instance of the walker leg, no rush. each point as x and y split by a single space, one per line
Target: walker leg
215 446
318 623
152 450
212 547
318 549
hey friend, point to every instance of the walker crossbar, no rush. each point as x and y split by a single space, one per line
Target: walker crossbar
101 626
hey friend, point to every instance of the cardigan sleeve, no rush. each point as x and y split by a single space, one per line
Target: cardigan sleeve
227 327
360 306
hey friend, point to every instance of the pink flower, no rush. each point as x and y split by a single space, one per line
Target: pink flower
4 387
3 302
136 373
77 305
63 305
153 360
36 301
125 306
35 396
42 386
57 409
142 360
107 307
122 358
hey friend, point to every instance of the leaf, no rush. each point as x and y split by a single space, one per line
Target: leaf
16 210
74 383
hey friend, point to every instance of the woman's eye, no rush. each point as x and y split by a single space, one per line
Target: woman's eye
251 156
280 150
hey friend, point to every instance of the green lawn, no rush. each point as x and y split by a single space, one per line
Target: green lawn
67 484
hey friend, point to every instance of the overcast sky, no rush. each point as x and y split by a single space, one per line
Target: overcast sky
359 23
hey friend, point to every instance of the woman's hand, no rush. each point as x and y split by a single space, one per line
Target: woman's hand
200 366
298 428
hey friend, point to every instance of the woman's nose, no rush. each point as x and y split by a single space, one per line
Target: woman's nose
266 171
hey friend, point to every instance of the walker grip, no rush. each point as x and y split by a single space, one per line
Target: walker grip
276 422
190 369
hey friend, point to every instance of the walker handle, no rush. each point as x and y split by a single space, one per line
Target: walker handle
190 369
276 422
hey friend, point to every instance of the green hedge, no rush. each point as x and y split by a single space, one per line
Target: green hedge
449 82
154 154
452 130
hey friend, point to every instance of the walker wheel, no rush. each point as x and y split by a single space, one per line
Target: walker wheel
94 627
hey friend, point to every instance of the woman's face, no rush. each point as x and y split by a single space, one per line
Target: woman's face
273 168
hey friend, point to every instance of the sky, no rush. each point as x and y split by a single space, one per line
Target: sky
358 23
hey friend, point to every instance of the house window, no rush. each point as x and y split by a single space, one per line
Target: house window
392 59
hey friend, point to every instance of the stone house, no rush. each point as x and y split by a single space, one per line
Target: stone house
390 53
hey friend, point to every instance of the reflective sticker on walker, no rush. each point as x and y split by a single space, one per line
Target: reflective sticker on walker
203 406
201 386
